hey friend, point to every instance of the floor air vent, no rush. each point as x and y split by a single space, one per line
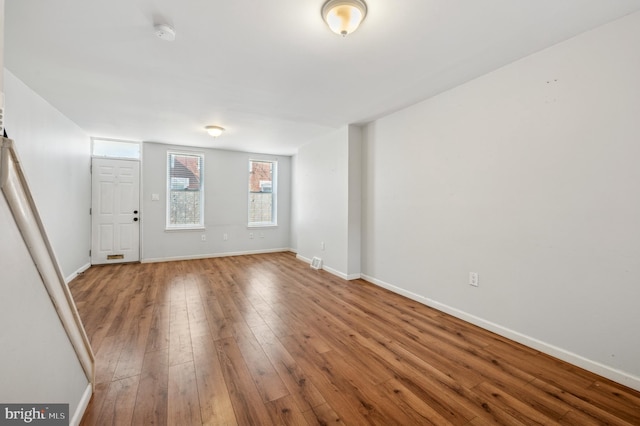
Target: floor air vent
316 263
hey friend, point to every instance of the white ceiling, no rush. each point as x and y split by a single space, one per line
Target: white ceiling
270 72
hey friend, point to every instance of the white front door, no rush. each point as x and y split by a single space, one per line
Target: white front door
115 211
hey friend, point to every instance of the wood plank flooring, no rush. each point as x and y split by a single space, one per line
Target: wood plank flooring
265 340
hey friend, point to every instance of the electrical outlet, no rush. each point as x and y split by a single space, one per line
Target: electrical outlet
262 235
203 237
225 237
322 246
473 279
251 235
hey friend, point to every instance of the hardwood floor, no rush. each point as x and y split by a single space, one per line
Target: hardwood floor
264 339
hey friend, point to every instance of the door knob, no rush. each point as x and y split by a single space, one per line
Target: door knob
135 219
135 212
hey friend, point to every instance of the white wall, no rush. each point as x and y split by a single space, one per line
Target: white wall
295 207
327 194
226 175
1 50
354 213
530 177
37 362
55 155
322 200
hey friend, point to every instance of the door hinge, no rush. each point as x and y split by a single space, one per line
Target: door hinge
90 211
89 253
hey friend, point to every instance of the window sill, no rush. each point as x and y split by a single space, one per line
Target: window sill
190 228
262 225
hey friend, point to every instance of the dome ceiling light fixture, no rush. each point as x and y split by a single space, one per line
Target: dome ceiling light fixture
214 131
165 32
344 16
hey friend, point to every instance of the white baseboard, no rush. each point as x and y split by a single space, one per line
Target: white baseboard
334 272
570 357
211 255
331 270
82 406
76 273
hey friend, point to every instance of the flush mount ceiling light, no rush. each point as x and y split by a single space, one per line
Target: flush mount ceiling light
344 16
214 131
165 32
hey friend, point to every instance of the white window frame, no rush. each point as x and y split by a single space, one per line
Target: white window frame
177 227
274 194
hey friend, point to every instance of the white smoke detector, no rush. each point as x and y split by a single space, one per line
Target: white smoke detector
165 32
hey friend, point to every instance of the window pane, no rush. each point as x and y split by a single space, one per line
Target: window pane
262 195
185 187
116 149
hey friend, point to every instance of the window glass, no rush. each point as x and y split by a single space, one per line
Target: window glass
185 189
262 193
115 149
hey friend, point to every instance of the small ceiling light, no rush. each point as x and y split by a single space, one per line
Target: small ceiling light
165 32
214 131
344 16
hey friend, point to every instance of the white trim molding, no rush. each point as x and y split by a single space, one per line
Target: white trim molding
76 273
335 272
570 357
82 406
302 258
331 270
211 255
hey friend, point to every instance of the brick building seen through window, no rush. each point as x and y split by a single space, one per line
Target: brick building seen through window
185 190
262 199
